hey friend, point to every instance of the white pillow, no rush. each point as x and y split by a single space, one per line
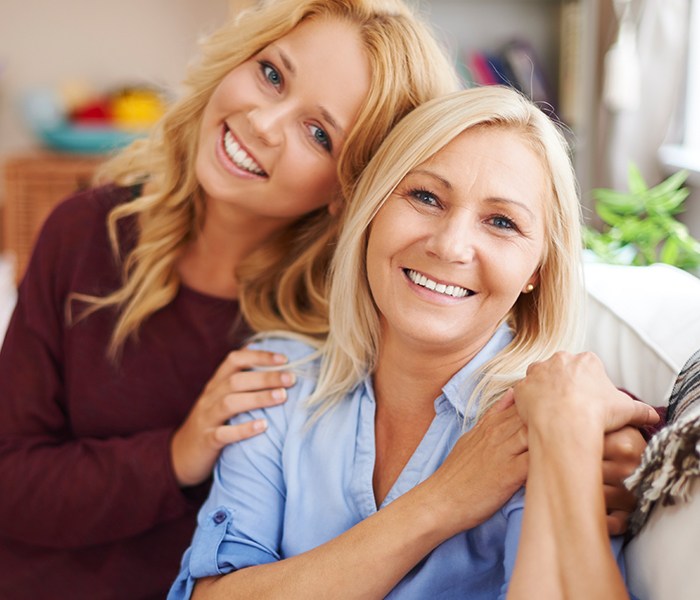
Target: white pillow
644 323
662 560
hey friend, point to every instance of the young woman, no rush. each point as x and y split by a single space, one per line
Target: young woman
131 301
393 469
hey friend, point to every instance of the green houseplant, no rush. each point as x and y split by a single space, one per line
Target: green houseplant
639 226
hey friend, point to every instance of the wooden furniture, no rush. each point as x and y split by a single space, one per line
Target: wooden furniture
34 184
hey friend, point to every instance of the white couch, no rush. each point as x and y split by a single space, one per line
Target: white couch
644 322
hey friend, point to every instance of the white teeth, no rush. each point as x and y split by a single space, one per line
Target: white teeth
449 290
239 156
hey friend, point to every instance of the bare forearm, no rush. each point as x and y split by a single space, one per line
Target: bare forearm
564 550
366 561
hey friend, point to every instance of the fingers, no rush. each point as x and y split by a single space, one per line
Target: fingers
240 402
622 453
248 390
239 360
505 401
252 381
616 522
229 434
618 498
232 390
503 419
642 414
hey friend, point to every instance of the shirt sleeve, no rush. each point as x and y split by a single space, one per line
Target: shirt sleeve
240 525
513 512
60 491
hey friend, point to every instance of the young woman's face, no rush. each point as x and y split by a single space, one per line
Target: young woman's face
457 242
273 129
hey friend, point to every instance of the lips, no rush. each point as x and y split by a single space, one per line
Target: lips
239 156
454 291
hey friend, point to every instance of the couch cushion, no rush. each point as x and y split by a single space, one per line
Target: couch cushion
644 323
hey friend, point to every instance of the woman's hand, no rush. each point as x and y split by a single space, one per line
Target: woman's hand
575 386
622 453
233 389
485 468
581 379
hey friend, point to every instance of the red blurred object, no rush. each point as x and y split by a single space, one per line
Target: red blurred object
96 112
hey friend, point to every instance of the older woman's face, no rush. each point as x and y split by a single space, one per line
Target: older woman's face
458 241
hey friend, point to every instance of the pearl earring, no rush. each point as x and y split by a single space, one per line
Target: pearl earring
528 288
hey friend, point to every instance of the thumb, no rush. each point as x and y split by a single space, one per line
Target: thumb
642 414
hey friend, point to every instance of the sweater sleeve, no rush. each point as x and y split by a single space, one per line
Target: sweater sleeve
61 490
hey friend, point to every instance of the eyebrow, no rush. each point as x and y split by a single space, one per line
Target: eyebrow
492 199
442 180
289 65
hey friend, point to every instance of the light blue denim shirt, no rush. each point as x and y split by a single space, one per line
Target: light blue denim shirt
295 487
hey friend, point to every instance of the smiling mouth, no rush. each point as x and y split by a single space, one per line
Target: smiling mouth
239 156
453 291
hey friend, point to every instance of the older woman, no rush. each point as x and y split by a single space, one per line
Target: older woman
394 468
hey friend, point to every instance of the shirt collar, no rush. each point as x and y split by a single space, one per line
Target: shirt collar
458 389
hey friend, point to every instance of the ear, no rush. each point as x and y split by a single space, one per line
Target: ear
532 283
335 206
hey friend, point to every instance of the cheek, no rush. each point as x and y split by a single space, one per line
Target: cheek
230 91
315 183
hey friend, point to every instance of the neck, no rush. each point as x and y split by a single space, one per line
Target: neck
209 262
409 377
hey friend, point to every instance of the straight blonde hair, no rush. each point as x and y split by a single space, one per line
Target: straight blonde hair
283 284
544 321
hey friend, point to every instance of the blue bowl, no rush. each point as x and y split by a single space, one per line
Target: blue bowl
45 115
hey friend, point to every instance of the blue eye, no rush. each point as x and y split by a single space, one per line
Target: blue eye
424 197
271 74
321 137
503 222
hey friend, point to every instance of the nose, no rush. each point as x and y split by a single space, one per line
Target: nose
453 240
268 122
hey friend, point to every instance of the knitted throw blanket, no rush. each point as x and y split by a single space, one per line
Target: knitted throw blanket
671 461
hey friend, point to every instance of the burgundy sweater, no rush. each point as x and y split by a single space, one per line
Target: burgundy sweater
89 506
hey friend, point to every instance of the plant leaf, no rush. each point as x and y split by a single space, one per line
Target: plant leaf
635 181
671 184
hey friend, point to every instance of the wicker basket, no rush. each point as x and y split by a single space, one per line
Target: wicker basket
34 184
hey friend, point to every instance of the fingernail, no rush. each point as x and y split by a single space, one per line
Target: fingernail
260 425
287 378
280 359
279 394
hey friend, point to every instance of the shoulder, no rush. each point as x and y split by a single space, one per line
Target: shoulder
303 360
74 218
89 205
295 348
75 232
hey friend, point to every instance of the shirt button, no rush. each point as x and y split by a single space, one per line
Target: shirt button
219 517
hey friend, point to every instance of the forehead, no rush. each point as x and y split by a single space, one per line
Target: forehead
500 160
331 45
328 62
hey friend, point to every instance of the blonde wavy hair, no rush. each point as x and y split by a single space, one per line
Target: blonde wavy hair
544 321
283 284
